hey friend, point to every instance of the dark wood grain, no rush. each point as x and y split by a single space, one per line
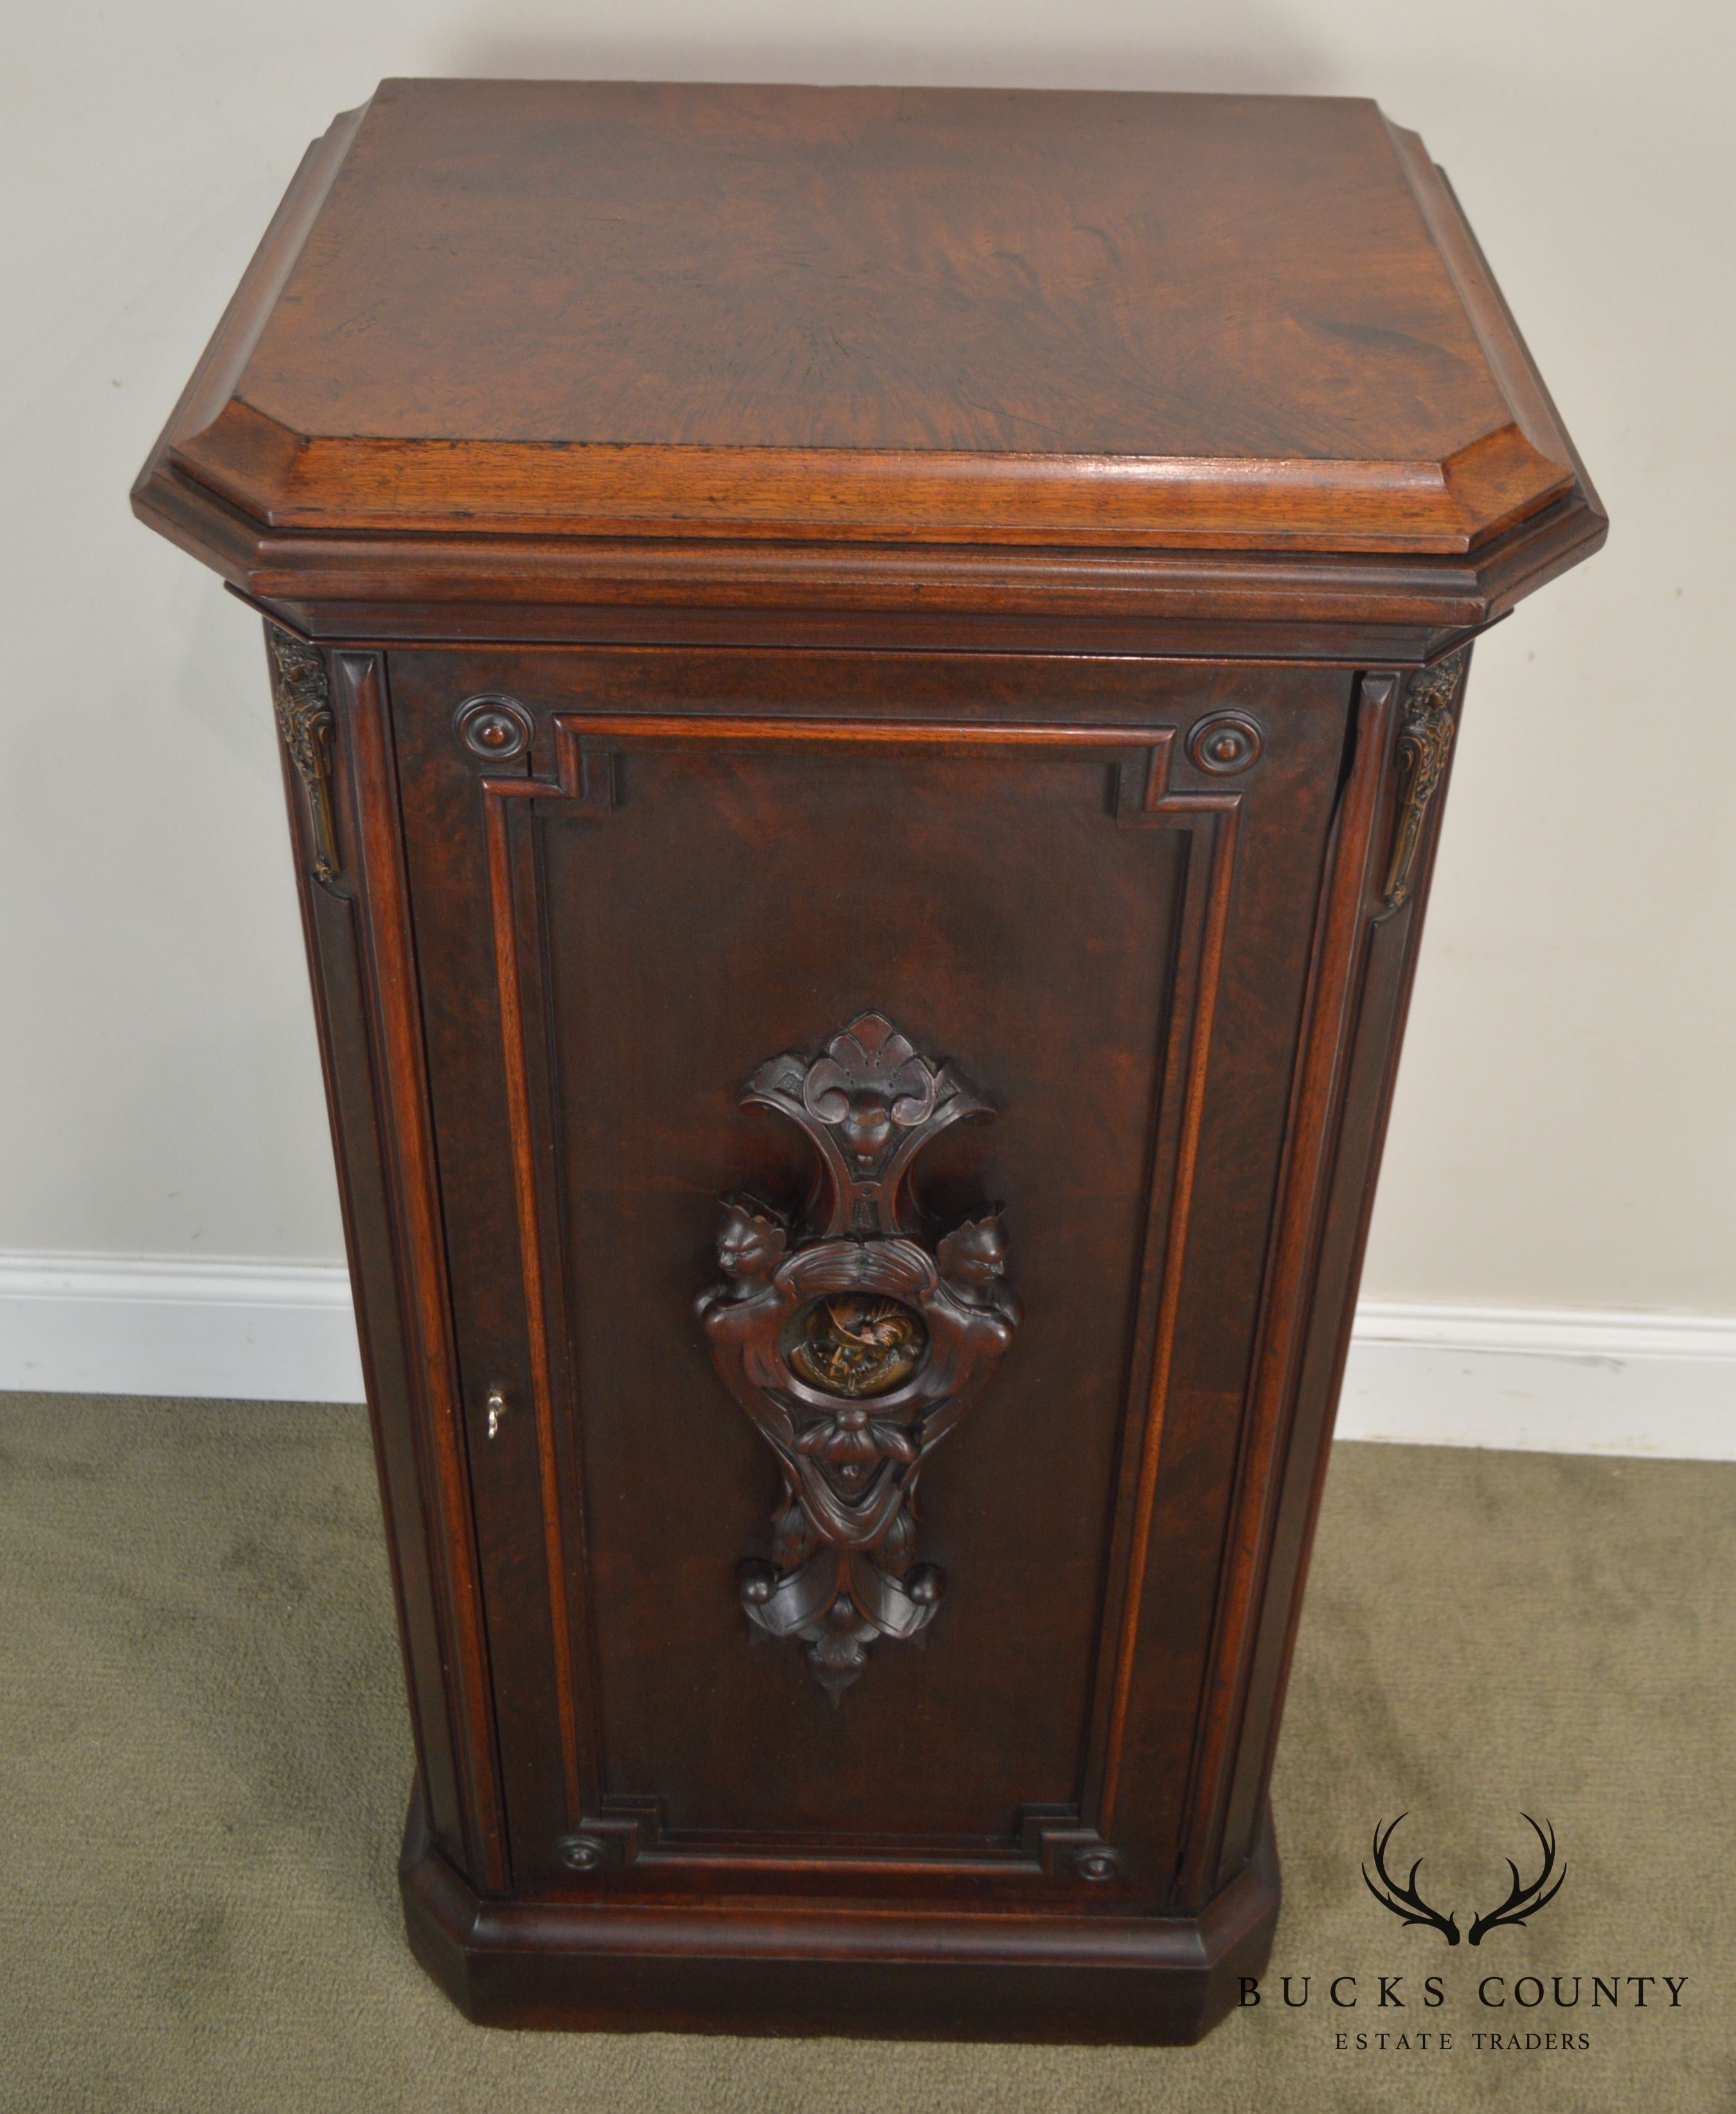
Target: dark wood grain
702 821
780 329
927 313
750 566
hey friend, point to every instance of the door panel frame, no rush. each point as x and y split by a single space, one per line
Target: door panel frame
583 785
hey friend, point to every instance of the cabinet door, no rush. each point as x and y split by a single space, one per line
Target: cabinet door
637 876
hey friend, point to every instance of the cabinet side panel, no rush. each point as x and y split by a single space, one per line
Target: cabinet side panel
328 917
380 1327
331 716
1392 940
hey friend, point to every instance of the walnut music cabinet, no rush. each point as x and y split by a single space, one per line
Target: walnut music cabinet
866 679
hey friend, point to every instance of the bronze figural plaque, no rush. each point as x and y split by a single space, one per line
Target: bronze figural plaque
868 679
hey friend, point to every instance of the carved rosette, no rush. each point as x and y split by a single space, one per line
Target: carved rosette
302 698
854 1342
1425 743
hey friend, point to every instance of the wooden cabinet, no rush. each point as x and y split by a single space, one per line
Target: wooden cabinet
866 679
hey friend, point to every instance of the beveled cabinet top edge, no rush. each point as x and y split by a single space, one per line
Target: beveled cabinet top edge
440 518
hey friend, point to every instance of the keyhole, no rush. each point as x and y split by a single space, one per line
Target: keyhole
496 1411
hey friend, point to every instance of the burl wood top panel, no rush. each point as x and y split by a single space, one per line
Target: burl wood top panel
988 315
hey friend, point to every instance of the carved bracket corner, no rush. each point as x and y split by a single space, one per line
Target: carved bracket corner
613 1839
1055 1838
854 1341
301 696
1425 743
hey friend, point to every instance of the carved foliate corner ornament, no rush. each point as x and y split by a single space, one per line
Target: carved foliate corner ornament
302 698
853 1342
1425 742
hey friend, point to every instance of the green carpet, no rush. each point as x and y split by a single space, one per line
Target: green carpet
204 1766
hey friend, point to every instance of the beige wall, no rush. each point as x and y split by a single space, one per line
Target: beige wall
1564 1126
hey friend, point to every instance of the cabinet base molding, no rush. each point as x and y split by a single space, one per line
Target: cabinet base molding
883 1971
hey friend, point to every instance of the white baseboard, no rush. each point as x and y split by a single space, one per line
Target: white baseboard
149 1325
1545 1380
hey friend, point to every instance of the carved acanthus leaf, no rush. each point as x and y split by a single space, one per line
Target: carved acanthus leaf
302 698
1425 743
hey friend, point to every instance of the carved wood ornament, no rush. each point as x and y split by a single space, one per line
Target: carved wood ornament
1425 743
302 696
854 1342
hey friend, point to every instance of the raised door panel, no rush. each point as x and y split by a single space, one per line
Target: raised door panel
638 877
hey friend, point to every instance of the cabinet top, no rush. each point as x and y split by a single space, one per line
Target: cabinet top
933 316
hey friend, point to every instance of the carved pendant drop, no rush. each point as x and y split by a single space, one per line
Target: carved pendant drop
302 698
1425 742
853 1342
